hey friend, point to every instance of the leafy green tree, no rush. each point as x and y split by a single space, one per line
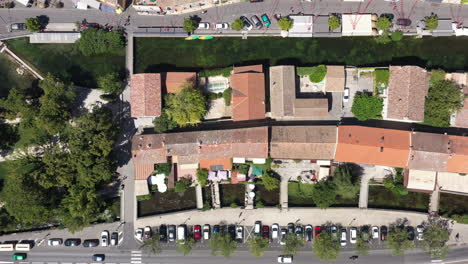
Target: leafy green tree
292 244
270 182
152 245
8 136
163 123
383 23
432 22
384 38
184 247
326 248
98 41
222 245
334 22
33 24
15 105
237 25
55 108
397 36
258 245
110 83
443 99
437 75
187 107
202 176
362 247
318 73
324 194
347 183
436 234
190 24
182 185
285 23
398 241
367 107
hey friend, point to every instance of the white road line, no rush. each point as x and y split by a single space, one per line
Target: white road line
52 262
67 263
24 263
38 263
5 262
136 262
136 251
136 258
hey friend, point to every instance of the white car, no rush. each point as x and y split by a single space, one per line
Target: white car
346 95
206 232
240 234
54 242
257 228
353 235
204 25
285 259
222 26
420 231
104 238
283 234
139 233
274 231
343 239
375 232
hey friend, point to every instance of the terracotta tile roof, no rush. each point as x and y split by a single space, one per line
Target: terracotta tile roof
248 95
458 161
145 95
370 145
311 107
250 68
408 86
282 90
225 162
303 142
172 81
335 79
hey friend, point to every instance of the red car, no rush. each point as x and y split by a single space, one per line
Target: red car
317 231
197 233
266 232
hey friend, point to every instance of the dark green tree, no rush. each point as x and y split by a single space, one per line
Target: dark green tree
362 247
190 24
222 245
397 36
163 123
98 41
324 193
110 83
187 107
398 241
443 99
8 136
258 245
269 181
33 24
346 181
326 248
182 185
152 245
436 234
367 107
292 244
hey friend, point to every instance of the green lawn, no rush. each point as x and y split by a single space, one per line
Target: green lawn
9 78
232 193
453 204
381 197
163 54
170 201
300 195
3 169
66 62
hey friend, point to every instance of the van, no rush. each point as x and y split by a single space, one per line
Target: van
7 247
181 232
23 247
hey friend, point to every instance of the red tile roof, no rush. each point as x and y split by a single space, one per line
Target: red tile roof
375 146
458 160
172 81
248 97
145 95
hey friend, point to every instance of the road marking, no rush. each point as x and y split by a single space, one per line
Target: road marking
6 262
66 263
24 262
136 262
136 251
38 263
136 258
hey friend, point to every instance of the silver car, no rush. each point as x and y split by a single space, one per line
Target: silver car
343 239
353 235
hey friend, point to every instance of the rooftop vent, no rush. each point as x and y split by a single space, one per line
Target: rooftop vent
381 149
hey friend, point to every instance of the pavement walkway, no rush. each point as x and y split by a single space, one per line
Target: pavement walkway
434 201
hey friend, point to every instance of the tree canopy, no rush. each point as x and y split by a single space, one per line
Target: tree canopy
383 23
258 245
33 24
326 248
270 181
237 24
98 41
443 99
432 22
190 24
367 107
184 247
285 23
346 181
187 107
152 245
398 241
292 244
324 193
334 22
163 123
222 245
436 234
362 247
110 83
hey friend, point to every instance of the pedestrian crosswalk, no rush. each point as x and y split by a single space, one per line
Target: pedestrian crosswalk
135 258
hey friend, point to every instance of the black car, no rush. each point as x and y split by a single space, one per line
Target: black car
299 231
390 16
232 231
90 243
308 233
73 242
246 22
290 228
365 233
163 233
383 233
403 22
223 229
410 231
216 229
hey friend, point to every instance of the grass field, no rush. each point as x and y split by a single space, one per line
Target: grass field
300 195
169 201
232 193
381 197
165 54
66 62
9 78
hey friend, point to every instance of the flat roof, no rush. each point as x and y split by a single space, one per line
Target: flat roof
453 182
64 37
356 24
421 180
302 27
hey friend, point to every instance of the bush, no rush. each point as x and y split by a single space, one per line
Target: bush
383 39
383 23
462 219
98 41
243 168
437 75
259 204
318 73
234 205
182 185
397 36
163 168
367 107
334 22
227 95
213 96
237 25
163 123
33 24
432 22
143 197
285 23
190 24
226 72
443 99
202 176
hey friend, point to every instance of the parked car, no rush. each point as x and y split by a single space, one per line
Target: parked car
90 25
375 232
72 242
255 1
274 231
216 229
317 231
181 233
403 22
240 234
147 232
420 231
114 239
352 235
365 233
91 243
98 257
246 22
206 232
197 232
299 232
54 242
266 232
283 234
334 232
343 239
204 25
163 233
257 228
256 22
171 233
104 238
139 233
390 16
383 233
410 231
232 231
346 95
290 228
308 233
222 26
285 259
266 20
277 17
19 256
18 26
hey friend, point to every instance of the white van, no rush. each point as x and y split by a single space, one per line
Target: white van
181 232
7 247
23 247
